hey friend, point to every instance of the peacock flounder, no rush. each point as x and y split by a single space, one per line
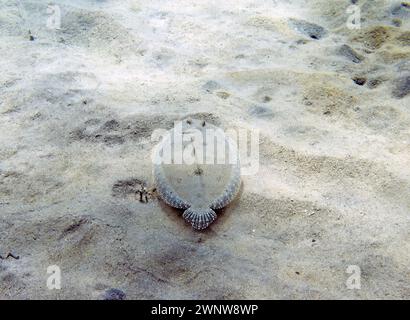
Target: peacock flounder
196 168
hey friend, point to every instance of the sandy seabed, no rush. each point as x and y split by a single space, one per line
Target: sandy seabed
80 100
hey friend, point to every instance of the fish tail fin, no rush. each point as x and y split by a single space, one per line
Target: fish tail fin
199 218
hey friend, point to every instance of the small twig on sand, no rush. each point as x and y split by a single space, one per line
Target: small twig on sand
10 255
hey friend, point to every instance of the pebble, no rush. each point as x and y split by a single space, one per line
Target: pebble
374 83
309 29
114 294
261 112
359 80
211 86
350 53
401 87
401 9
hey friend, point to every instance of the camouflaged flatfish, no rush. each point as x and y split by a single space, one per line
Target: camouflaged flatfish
201 182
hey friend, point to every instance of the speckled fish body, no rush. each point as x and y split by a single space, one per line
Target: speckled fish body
195 173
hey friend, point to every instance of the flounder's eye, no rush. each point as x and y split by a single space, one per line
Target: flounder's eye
203 123
189 121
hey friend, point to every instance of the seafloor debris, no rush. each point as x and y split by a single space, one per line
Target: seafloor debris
9 255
